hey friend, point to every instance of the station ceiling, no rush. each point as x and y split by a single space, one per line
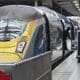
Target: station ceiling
71 6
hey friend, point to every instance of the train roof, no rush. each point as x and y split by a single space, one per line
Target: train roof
62 17
47 10
74 22
21 12
51 14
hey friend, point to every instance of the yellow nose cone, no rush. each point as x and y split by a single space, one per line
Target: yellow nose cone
8 57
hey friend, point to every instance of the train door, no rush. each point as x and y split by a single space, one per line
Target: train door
75 28
72 37
55 38
47 30
64 45
67 41
55 34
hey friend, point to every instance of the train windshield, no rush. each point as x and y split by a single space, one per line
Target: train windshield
10 28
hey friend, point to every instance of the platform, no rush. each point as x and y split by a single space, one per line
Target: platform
69 69
56 55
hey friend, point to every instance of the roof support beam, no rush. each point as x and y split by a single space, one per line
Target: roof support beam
79 3
47 3
36 2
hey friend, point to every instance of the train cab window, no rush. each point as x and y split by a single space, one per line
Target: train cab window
11 28
40 42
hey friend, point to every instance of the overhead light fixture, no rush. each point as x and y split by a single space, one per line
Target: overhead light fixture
77 5
75 2
79 9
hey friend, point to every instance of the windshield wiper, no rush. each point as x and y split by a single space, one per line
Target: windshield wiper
5 32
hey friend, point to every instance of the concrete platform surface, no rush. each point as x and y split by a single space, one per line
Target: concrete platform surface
69 69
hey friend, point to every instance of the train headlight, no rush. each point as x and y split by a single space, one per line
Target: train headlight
4 76
20 47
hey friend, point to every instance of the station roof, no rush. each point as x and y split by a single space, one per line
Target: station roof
71 6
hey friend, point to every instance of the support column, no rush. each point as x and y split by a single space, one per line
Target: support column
36 3
47 3
79 3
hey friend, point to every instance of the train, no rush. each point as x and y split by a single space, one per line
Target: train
27 31
75 28
62 32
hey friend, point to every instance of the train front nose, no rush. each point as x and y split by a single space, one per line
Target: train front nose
9 57
11 41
